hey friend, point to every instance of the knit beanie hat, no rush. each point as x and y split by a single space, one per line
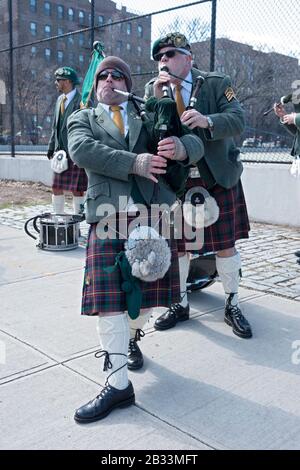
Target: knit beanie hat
112 62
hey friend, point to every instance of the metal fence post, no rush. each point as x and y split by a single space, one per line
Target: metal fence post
213 34
11 67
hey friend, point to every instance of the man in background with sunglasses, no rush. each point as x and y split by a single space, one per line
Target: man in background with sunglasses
113 145
73 179
216 119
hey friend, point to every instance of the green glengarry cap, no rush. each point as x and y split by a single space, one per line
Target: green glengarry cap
66 73
177 40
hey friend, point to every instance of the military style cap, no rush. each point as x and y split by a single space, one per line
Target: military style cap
177 40
66 73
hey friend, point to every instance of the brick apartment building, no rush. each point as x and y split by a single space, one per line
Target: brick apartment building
35 20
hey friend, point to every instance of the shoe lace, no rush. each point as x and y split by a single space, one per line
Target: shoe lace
235 311
139 333
108 364
174 308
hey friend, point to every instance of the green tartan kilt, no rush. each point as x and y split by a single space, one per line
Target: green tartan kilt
102 291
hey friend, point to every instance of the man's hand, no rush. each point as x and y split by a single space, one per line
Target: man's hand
49 154
279 110
148 165
193 119
162 79
288 118
171 148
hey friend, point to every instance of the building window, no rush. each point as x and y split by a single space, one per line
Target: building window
119 46
71 40
128 47
32 5
81 39
47 75
140 31
47 30
70 14
47 8
128 29
33 73
60 31
138 69
33 51
81 58
33 28
71 57
47 53
139 51
60 12
81 17
60 56
100 20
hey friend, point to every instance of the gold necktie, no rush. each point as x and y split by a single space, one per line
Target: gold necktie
62 105
179 100
117 117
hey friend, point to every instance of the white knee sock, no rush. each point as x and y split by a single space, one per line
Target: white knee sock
58 203
229 272
114 337
139 322
78 204
184 266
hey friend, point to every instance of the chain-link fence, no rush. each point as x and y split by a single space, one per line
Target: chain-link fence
254 42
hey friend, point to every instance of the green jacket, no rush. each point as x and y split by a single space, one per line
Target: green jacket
96 145
59 134
220 152
295 131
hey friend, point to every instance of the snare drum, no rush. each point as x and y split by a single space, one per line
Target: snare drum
57 232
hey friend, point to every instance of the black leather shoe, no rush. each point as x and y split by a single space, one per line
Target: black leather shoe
108 399
135 358
297 253
235 318
175 314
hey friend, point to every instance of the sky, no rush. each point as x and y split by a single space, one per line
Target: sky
269 24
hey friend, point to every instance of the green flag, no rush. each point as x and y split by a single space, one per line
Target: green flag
87 86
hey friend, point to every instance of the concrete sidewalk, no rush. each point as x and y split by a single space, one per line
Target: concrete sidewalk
201 387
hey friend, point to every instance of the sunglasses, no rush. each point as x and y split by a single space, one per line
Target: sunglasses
115 75
171 53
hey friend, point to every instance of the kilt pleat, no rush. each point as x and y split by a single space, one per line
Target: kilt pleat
232 224
102 291
73 179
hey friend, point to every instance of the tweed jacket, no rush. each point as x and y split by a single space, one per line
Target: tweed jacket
60 142
96 145
220 152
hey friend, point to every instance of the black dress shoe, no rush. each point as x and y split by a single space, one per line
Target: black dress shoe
297 253
108 399
235 318
135 358
175 314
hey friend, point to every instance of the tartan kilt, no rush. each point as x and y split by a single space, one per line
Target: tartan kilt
232 224
102 291
73 179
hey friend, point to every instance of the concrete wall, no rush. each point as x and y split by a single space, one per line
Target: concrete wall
272 194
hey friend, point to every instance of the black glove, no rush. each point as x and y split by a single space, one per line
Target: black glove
49 154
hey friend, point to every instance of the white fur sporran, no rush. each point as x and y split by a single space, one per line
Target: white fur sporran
148 254
200 209
59 162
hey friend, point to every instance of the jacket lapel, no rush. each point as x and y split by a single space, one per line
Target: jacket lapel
104 121
134 125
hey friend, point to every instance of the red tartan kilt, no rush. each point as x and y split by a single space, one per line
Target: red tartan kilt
232 224
73 179
102 291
